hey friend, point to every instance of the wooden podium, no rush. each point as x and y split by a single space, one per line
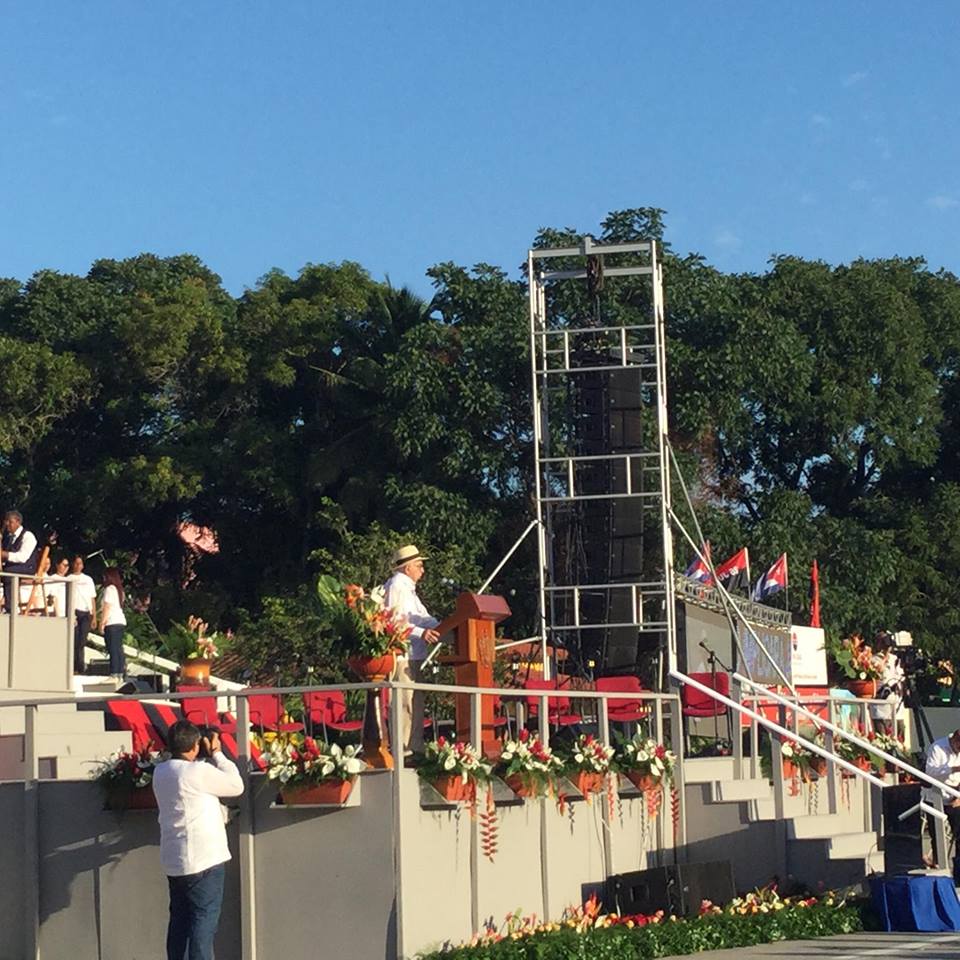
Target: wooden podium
472 623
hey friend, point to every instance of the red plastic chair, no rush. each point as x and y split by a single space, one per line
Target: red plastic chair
266 713
560 709
697 704
132 717
203 712
623 710
328 708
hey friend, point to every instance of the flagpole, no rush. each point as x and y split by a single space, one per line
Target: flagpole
749 580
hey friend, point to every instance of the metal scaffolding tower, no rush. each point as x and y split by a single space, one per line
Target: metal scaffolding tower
601 457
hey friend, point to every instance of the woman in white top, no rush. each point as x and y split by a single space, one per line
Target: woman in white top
56 592
113 620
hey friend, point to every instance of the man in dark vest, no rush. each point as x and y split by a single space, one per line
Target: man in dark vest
19 553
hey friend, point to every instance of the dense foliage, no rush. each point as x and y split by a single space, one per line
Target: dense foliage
317 421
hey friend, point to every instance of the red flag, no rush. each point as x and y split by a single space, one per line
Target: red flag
814 595
738 563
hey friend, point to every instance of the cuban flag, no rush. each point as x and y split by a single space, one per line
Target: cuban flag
698 570
773 581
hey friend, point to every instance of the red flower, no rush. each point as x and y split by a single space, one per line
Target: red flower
441 742
524 735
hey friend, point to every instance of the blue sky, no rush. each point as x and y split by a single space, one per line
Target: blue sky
400 134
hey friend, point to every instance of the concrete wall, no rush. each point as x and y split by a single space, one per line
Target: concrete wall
42 653
102 893
324 878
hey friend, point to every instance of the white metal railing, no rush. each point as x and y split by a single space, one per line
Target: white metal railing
664 715
152 661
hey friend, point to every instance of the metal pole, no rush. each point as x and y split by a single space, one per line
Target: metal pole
536 320
31 835
245 823
396 725
509 554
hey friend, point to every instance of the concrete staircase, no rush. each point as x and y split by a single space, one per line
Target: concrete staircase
69 741
832 847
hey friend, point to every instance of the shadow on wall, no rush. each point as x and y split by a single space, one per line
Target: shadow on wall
102 891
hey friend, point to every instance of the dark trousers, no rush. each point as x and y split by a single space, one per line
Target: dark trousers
113 635
9 594
195 902
81 630
953 819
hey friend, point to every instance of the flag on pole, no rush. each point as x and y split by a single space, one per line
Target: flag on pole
814 595
773 581
700 571
737 564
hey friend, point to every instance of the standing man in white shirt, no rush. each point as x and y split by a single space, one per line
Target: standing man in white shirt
943 762
400 594
85 607
19 552
193 838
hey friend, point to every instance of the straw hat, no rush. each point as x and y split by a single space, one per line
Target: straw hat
404 555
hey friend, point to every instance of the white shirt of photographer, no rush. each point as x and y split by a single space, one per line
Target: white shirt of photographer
193 837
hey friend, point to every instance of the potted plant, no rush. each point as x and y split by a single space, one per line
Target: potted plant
454 769
644 762
529 768
312 772
588 763
189 643
126 779
862 667
366 633
853 753
890 744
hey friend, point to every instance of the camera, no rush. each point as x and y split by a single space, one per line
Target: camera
206 735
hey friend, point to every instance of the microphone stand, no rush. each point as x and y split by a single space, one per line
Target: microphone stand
713 660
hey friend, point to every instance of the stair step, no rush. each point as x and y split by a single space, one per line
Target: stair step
53 721
736 791
84 746
707 769
817 827
852 846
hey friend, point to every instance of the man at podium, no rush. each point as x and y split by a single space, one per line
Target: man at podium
400 593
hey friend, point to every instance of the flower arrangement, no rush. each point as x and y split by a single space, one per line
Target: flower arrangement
590 755
297 760
588 762
644 761
454 768
858 661
890 744
362 626
759 917
125 777
190 641
528 767
853 752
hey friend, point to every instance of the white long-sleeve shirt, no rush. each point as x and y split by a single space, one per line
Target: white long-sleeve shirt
27 546
400 593
940 758
193 837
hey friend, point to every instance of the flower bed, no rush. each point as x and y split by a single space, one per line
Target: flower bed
760 917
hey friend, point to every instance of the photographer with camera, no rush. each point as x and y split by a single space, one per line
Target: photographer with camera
193 836
884 715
